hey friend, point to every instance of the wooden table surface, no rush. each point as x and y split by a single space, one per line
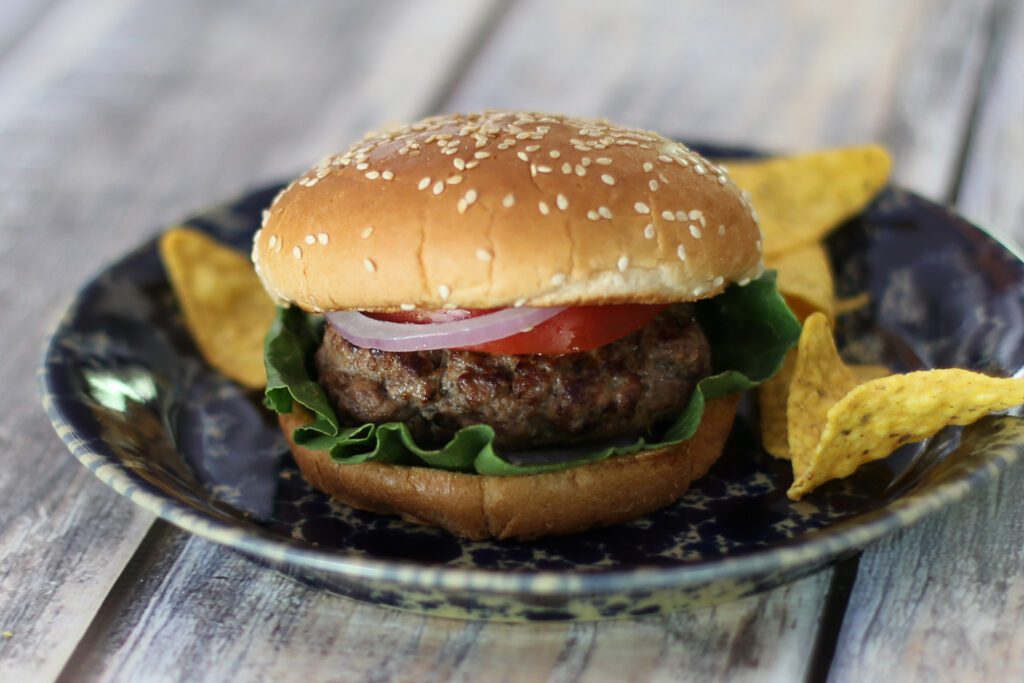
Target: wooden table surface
119 116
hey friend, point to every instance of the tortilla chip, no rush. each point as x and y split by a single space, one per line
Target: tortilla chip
866 373
820 380
876 418
225 307
805 279
771 404
800 199
851 304
773 395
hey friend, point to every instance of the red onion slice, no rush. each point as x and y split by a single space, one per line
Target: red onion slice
368 333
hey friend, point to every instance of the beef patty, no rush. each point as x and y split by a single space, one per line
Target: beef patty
620 389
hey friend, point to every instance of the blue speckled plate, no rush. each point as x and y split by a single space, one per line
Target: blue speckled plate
131 398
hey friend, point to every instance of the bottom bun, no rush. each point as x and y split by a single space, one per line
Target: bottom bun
475 506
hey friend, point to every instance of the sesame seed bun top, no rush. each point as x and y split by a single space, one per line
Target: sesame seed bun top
507 208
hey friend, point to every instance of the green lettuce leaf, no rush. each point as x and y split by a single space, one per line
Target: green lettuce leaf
748 328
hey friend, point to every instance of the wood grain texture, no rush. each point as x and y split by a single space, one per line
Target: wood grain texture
127 114
157 109
194 612
779 77
621 62
945 601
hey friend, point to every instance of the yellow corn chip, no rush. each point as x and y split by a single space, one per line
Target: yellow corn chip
856 302
801 199
820 379
771 407
226 308
876 418
773 395
805 279
866 373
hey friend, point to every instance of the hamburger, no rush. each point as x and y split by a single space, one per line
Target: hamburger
512 324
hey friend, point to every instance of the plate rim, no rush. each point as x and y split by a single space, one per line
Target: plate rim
809 551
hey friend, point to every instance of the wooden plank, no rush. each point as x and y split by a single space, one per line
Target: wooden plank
781 90
994 166
261 626
945 600
133 117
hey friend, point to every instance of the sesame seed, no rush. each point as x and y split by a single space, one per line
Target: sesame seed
544 208
481 155
558 279
641 208
272 242
296 252
423 184
470 196
668 215
533 170
649 231
653 185
519 303
522 135
722 179
721 229
744 282
697 291
522 156
585 161
758 245
696 214
438 187
580 170
362 166
472 164
484 255
698 169
554 154
607 179
454 180
461 206
310 239
532 148
508 201
322 238
372 175
367 231
566 168
681 252
407 307
388 175
623 263
664 158
459 164
604 161
592 215
680 216
648 167
604 212
695 231
562 202
543 169
310 182
322 173
264 217
369 265
444 290
718 282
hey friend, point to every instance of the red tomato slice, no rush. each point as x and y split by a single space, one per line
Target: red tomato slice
579 328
